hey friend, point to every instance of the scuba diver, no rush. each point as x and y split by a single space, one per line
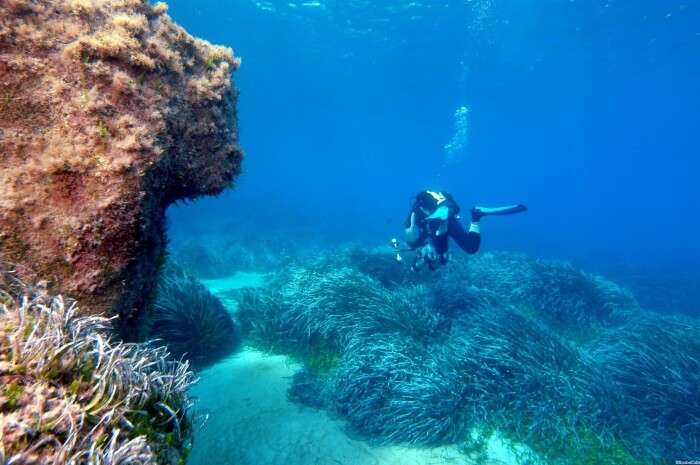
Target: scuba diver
433 219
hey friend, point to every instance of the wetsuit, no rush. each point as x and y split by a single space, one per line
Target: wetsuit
420 226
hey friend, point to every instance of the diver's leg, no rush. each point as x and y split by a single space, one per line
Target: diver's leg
470 240
441 243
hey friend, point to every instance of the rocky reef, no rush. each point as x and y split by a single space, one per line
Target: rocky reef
109 112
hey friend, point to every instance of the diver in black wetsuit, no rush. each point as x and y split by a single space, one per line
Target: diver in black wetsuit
434 218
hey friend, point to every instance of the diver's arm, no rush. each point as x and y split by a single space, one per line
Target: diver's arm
412 231
469 241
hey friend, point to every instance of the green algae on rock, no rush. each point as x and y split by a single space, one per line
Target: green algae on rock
109 112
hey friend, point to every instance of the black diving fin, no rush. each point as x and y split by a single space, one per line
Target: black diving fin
507 210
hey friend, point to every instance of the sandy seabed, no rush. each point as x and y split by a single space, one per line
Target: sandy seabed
252 422
225 288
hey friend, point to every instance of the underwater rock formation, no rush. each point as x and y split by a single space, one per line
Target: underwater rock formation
68 394
109 112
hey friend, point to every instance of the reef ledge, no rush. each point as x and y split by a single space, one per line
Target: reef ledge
109 112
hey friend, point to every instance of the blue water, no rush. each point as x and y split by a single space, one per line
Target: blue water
587 111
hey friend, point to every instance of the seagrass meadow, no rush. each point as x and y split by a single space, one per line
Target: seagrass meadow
561 365
553 357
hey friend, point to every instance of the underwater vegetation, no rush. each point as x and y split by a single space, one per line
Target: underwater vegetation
559 359
190 320
109 113
69 394
568 300
649 373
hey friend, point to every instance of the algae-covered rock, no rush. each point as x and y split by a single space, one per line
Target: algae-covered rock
109 112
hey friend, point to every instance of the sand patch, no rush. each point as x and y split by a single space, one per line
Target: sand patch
252 422
227 288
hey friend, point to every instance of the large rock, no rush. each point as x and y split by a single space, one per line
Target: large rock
109 112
